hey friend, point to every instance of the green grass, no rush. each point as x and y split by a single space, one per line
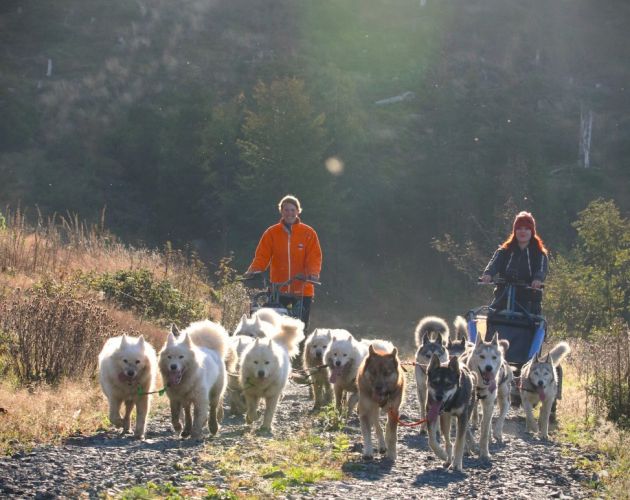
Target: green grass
152 490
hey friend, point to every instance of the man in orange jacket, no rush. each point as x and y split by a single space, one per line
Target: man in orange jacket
292 249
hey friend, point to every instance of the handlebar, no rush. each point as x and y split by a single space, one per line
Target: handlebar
298 277
518 284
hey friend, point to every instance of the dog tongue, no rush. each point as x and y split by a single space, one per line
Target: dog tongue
434 411
541 393
124 377
334 373
174 377
492 386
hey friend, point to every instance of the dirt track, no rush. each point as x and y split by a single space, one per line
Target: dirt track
522 467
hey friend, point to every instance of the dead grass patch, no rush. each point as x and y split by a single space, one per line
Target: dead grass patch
47 415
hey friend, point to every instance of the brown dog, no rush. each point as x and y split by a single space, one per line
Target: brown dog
381 387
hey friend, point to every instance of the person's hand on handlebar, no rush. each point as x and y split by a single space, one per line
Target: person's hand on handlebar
537 284
486 278
313 277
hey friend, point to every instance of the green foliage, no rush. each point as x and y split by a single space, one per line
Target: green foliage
140 291
590 288
152 491
3 222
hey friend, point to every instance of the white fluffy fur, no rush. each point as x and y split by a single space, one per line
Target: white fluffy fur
127 364
343 358
265 369
192 365
314 349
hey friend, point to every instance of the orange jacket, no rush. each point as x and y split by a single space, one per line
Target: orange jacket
290 252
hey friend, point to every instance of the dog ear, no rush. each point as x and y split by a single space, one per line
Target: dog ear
170 340
174 330
141 341
479 339
187 340
123 340
394 353
453 364
434 363
495 339
548 358
425 338
371 350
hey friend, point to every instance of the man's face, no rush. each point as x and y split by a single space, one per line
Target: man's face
289 213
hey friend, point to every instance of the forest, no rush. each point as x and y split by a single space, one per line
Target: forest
412 131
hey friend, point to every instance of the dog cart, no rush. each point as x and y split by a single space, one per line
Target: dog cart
525 331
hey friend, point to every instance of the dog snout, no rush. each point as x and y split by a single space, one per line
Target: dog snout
337 363
540 383
488 368
130 373
261 373
173 367
318 353
438 397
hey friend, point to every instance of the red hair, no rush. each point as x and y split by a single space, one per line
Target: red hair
525 219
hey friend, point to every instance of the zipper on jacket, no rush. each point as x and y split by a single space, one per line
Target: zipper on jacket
289 257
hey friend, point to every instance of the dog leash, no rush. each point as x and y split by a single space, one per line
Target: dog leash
159 392
414 423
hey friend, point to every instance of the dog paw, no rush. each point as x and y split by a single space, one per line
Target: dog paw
185 434
382 450
139 437
264 431
368 457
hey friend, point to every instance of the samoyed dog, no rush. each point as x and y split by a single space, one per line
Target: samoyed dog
192 363
264 323
127 369
265 369
314 349
236 397
343 357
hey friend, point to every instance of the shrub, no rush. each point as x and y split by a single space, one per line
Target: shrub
139 291
50 334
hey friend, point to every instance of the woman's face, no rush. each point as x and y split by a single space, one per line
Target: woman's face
289 213
523 235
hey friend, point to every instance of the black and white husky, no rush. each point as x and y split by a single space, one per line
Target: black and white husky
431 336
450 394
539 383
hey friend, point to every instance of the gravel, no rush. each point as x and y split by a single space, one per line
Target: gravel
522 467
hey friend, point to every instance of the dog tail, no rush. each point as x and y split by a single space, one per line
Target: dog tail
559 352
461 329
210 335
432 325
290 335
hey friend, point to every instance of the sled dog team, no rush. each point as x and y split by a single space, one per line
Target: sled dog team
453 378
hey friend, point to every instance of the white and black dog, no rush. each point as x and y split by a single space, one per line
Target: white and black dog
539 383
431 335
493 378
450 394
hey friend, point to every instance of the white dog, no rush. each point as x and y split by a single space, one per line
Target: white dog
539 383
236 397
314 365
493 378
127 369
343 358
265 369
192 364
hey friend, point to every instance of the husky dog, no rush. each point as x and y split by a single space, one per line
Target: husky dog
450 394
381 385
459 337
265 369
127 369
343 357
236 397
314 366
539 382
193 366
431 336
493 378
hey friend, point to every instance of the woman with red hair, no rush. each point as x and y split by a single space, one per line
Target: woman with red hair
521 258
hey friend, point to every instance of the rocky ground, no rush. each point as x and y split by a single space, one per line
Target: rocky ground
108 463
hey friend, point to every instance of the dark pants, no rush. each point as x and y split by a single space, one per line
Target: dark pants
531 300
304 314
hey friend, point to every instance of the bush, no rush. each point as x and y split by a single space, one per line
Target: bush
139 291
49 334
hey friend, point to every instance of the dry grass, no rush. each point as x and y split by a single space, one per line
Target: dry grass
48 415
604 447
